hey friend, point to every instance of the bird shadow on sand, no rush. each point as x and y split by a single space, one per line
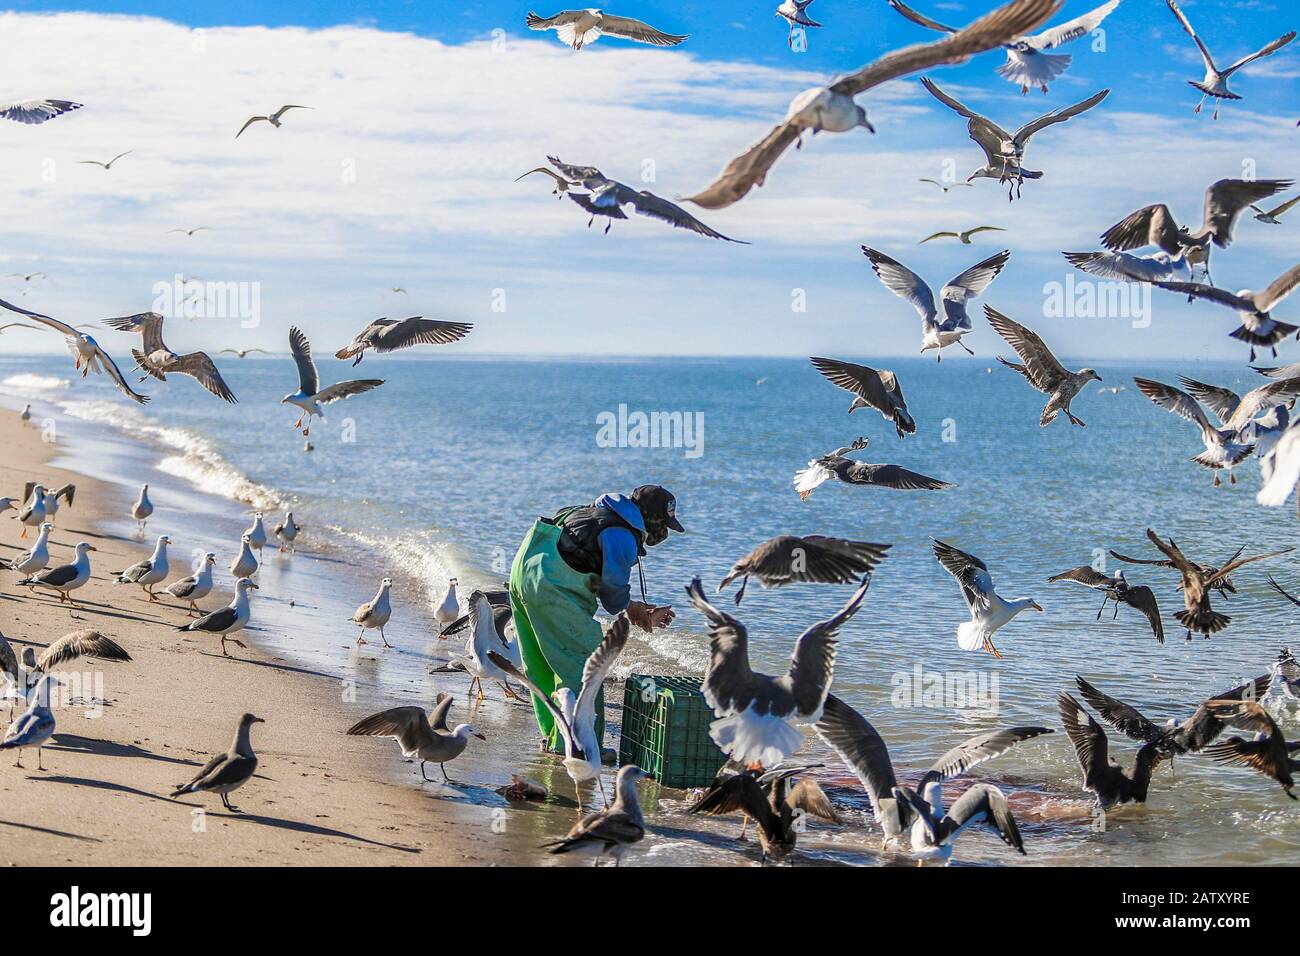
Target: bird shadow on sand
81 533
101 785
271 664
99 610
109 748
49 832
300 827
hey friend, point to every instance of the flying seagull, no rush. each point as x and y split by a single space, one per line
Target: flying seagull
1223 585
157 360
1111 784
1041 369
190 232
1283 467
1272 215
562 185
240 353
274 119
1268 752
938 333
35 112
1027 64
389 335
795 13
777 801
837 465
788 559
833 110
310 396
963 237
1215 83
1155 225
1160 266
754 711
1258 327
988 610
607 197
424 738
227 772
1004 152
945 186
1239 411
896 810
1224 447
611 832
106 166
85 350
1117 589
577 28
871 388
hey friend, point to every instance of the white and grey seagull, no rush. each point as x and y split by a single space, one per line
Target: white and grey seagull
1254 309
1126 267
795 13
871 388
196 586
425 738
1224 447
1270 216
1215 83
155 359
227 772
36 558
962 236
310 396
1027 64
142 509
152 570
938 332
577 28
389 335
754 711
35 112
64 578
989 611
32 513
106 166
275 119
839 466
227 620
1041 368
375 613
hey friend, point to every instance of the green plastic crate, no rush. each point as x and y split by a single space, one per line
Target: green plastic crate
666 731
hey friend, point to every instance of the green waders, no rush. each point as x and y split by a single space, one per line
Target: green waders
554 610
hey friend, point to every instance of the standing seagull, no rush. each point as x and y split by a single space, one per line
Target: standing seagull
1041 369
257 533
1268 753
449 610
274 119
833 109
287 531
1004 152
142 508
837 465
227 772
157 359
33 728
1215 83
421 737
872 388
815 558
938 333
227 620
1117 589
375 613
754 710
53 495
794 12
611 832
36 558
152 570
389 335
487 644
1027 64
245 564
1225 200
1258 327
577 28
576 716
988 610
310 396
105 166
35 112
88 356
1224 447
32 513
195 587
1102 774
65 578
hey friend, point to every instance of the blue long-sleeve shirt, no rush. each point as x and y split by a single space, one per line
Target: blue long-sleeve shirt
619 553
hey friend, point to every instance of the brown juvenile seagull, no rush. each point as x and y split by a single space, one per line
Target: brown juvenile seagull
389 335
227 772
832 109
872 388
1041 369
814 558
1102 774
1268 753
1117 589
156 359
85 643
772 800
611 832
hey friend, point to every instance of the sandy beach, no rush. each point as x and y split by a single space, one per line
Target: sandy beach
319 797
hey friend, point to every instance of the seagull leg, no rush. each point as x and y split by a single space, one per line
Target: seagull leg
425 775
1232 478
361 636
965 346
1115 616
1217 482
39 765
744 583
19 761
384 639
988 646
443 768
1104 598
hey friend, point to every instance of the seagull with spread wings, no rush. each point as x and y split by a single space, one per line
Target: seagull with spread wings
35 112
871 388
1041 368
1155 225
989 611
1158 267
1117 589
788 558
85 350
275 119
1027 64
310 396
832 108
1268 752
1004 152
423 737
944 186
1102 774
155 359
562 185
1239 411
1258 327
839 466
963 236
1215 84
389 335
778 802
1224 447
795 13
607 197
938 333
191 232
1271 216
240 353
577 28
105 166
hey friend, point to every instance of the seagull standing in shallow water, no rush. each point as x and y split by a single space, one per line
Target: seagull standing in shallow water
310 396
611 832
227 620
988 610
1102 774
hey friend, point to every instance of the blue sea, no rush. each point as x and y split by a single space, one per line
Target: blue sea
441 472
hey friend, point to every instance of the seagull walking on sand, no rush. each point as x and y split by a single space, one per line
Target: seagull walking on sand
1258 327
1117 589
389 335
196 586
871 388
1027 64
32 513
157 360
1102 774
832 108
152 570
612 832
287 531
227 620
754 711
35 559
1041 368
815 558
35 112
449 610
1215 83
938 332
89 357
64 578
375 613
35 726
142 509
310 396
988 610
837 465
275 119
245 564
423 738
575 715
227 772
577 28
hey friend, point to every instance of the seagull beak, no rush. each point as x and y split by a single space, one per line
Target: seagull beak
1036 606
91 548
480 737
256 588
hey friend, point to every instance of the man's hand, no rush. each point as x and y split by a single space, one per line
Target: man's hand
648 617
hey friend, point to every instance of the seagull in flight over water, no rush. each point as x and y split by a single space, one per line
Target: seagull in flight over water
310 396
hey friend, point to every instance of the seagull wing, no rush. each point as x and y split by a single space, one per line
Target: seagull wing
1143 599
45 320
1150 225
859 745
200 366
1205 53
408 725
979 749
920 19
1086 575
35 112
342 390
571 744
300 348
1072 29
1120 265
904 283
250 122
1128 719
1267 50
1058 116
1286 470
982 803
579 174
289 106
87 643
971 573
728 685
116 375
1224 402
597 668
747 170
1176 401
631 29
813 662
879 389
418 331
892 476
976 120
966 286
441 708
656 207
1258 399
1088 739
1042 369
1226 199
1279 288
939 235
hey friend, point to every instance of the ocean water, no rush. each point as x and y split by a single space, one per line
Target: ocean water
442 470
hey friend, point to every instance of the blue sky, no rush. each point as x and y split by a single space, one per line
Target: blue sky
402 174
